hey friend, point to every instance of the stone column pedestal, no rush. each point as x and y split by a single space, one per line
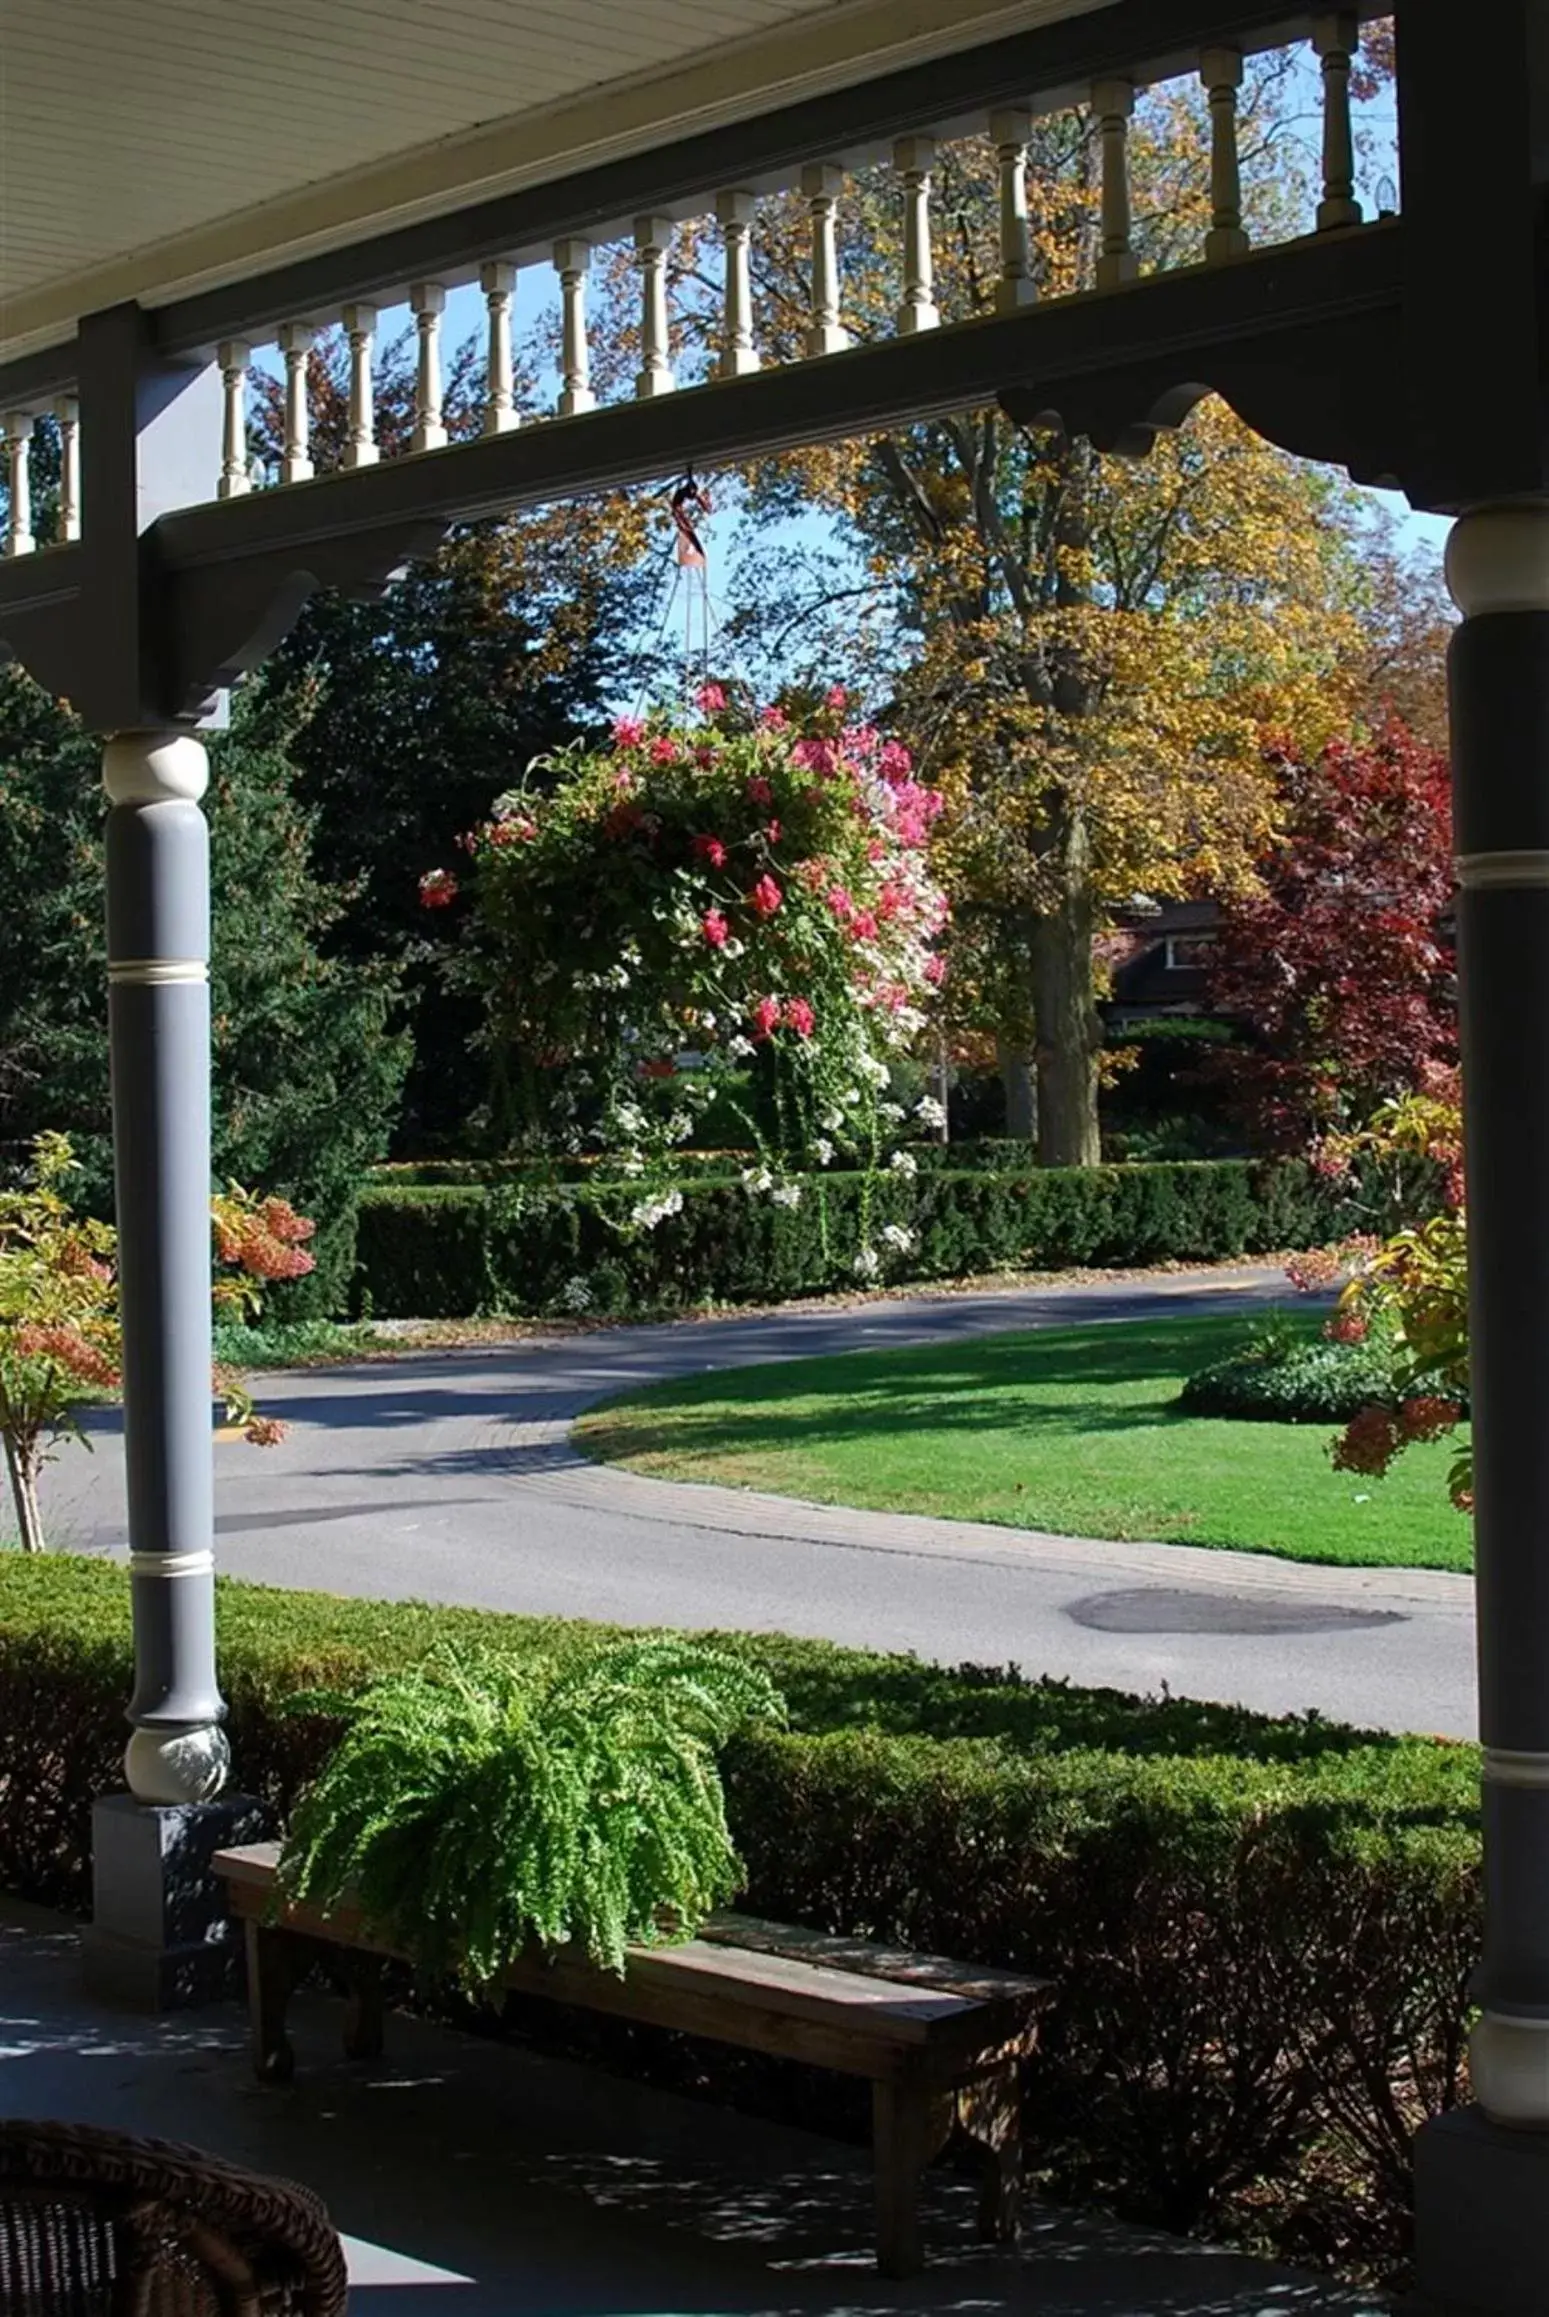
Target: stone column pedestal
160 1938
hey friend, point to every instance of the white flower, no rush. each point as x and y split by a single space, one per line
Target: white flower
707 1021
757 1179
904 1162
733 948
630 1118
930 1112
868 1263
632 1163
897 1237
616 978
832 1120
787 1195
873 1067
852 1097
575 1295
679 1126
891 1112
740 1047
822 1150
650 1212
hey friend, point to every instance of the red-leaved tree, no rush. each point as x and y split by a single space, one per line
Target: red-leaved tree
1341 966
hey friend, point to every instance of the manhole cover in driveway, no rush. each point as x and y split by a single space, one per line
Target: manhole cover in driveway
1170 1609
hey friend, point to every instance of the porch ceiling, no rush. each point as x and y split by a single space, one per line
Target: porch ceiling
149 148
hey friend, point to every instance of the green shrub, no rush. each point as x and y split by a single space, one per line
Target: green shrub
1279 1377
284 1343
1261 1930
455 1250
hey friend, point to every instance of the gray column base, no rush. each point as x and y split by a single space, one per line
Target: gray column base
160 1938
1481 2193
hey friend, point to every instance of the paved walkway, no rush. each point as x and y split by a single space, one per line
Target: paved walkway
449 1477
472 2179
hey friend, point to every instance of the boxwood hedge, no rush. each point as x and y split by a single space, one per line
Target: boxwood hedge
1261 1930
453 1250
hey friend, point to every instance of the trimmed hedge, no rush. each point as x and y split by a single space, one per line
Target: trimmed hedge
1261 1930
454 1251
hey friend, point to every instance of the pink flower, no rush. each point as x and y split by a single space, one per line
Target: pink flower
863 925
623 780
773 719
709 698
628 731
836 697
664 749
815 756
519 829
715 928
766 897
712 850
759 791
800 1017
840 903
766 1018
773 832
438 888
895 763
704 756
935 971
890 902
813 874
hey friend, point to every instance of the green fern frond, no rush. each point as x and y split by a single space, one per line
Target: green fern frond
476 1804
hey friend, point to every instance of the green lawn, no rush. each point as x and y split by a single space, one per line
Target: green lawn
1070 1429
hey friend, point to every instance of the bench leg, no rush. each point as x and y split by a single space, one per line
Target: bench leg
990 2113
910 2125
363 2008
271 1978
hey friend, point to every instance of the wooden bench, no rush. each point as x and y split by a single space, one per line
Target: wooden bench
941 2043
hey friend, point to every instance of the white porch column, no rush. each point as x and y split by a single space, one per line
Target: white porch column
914 158
360 329
572 263
821 184
653 239
739 355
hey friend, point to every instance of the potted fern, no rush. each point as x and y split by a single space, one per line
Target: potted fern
479 1805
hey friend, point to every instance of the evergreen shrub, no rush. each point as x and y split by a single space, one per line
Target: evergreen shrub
1261 1930
1284 1379
436 1251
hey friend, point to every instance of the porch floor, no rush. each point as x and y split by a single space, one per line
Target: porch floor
479 2180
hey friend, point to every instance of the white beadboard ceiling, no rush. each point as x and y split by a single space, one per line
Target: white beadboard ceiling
151 147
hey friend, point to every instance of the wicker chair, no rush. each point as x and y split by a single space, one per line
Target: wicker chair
95 2224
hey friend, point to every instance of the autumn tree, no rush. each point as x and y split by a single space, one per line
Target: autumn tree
1079 649
1341 964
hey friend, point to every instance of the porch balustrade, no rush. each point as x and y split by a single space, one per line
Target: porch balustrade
1121 251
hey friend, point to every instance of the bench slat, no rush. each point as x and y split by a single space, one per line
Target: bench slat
735 1990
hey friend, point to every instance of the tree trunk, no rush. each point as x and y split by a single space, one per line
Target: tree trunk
23 1470
1069 1030
1017 1076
